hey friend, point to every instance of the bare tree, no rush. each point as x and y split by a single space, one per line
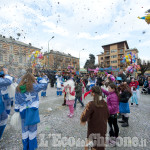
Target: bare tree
145 65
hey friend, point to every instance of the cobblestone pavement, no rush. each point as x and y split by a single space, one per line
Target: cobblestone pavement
55 121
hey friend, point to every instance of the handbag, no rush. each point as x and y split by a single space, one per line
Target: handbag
124 107
32 116
2 107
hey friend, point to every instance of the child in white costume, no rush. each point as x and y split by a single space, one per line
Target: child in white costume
69 89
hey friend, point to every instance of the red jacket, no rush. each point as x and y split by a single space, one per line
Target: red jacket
133 84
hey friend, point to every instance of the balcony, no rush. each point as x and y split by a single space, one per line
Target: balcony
107 59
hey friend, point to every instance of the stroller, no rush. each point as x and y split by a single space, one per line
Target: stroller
144 90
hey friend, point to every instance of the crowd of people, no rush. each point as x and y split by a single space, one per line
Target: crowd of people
111 98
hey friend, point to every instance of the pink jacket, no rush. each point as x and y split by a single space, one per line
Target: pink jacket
112 102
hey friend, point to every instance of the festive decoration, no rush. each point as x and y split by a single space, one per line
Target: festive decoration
147 17
132 68
34 59
110 76
129 59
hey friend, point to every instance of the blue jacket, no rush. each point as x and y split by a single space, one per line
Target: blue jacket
4 83
29 99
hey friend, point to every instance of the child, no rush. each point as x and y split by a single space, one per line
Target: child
96 115
5 81
78 90
134 98
59 84
134 85
125 94
69 89
27 104
113 106
43 93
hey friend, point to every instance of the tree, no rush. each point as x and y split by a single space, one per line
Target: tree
145 65
90 63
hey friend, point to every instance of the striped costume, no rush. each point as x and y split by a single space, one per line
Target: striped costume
59 85
43 93
24 101
5 102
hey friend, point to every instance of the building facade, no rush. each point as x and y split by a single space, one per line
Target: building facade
113 54
56 60
14 54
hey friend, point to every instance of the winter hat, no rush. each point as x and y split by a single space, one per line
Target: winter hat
110 76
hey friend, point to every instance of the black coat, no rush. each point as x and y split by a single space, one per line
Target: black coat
123 76
125 96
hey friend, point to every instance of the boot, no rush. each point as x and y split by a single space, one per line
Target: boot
64 103
126 124
122 121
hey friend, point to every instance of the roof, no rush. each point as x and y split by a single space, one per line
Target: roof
117 43
11 40
60 53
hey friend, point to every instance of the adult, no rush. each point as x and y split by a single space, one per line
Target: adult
122 75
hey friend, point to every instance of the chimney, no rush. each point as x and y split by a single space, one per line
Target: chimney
3 36
10 37
30 44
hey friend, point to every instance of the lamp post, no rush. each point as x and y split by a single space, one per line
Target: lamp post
79 58
48 50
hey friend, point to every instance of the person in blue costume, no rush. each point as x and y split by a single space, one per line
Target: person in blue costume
92 81
5 81
27 104
44 76
59 84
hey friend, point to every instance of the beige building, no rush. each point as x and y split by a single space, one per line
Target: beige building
56 60
14 54
113 54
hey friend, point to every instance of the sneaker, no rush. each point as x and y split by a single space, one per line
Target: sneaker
131 103
68 115
71 115
137 104
112 143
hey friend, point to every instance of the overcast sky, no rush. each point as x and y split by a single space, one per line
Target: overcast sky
77 24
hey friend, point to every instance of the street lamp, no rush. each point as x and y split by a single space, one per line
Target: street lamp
79 58
48 49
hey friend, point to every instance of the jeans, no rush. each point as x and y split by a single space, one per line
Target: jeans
113 125
79 99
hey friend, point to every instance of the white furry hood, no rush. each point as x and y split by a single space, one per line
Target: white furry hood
70 83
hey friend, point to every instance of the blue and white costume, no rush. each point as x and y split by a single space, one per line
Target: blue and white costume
43 93
5 102
24 101
59 85
92 82
134 98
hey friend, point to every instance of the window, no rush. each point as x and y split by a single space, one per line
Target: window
20 59
121 56
114 56
101 58
11 48
114 51
121 50
1 57
115 61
